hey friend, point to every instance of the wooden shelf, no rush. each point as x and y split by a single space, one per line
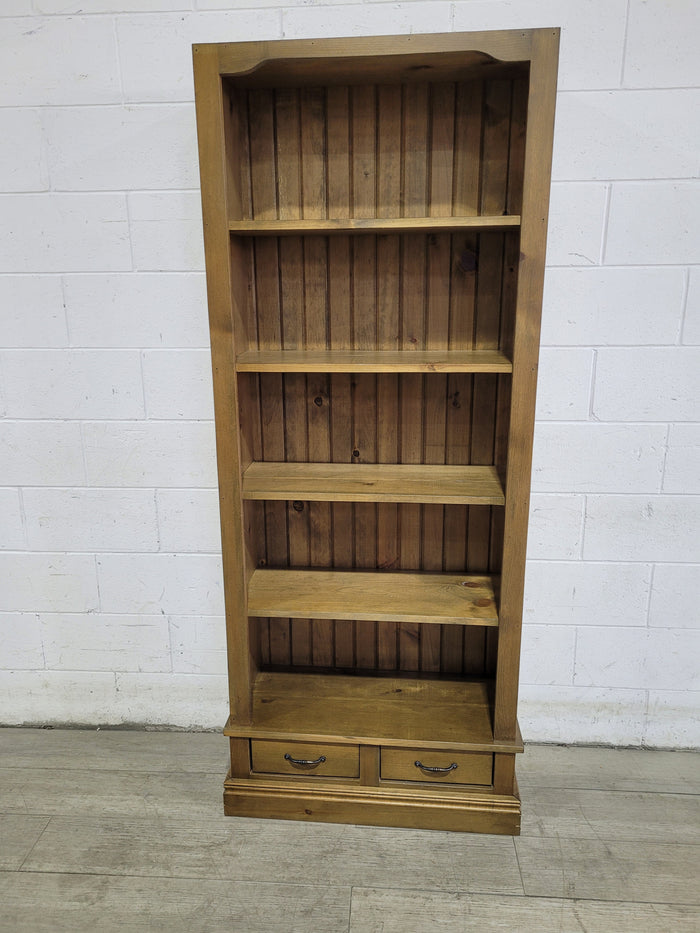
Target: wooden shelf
376 225
457 599
373 361
368 482
387 710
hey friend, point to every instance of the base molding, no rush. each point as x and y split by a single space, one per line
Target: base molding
467 812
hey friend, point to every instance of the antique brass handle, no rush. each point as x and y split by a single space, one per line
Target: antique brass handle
305 761
419 764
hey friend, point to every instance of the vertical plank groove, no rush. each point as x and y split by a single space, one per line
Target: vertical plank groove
364 305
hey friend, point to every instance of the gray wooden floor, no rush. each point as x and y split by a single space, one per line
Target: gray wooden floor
105 831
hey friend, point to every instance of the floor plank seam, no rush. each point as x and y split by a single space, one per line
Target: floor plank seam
36 842
358 888
218 823
149 877
573 899
520 871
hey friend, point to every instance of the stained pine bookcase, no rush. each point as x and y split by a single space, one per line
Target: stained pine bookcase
375 216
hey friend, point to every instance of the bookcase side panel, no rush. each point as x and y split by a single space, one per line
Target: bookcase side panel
226 308
536 185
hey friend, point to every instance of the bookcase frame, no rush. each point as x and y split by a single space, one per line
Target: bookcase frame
375 216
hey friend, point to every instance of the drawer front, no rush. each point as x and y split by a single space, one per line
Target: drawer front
399 764
305 758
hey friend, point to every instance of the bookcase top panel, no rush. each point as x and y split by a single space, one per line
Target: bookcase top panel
372 59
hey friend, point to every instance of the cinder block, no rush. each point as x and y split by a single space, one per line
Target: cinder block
564 385
166 231
41 453
586 593
32 311
576 217
48 583
17 8
23 164
675 596
656 659
366 19
645 384
111 6
72 383
64 233
57 697
113 148
597 457
150 454
20 634
547 655
198 644
626 134
673 720
682 471
654 224
247 4
555 527
104 642
161 583
592 35
178 384
12 535
662 45
188 520
691 328
62 60
602 306
589 715
137 310
187 700
156 51
91 519
645 528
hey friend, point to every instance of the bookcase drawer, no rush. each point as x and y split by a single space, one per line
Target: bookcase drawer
305 758
445 767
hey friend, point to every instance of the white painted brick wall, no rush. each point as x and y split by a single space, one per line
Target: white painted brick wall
64 233
32 311
166 231
111 606
190 396
691 331
72 383
675 597
134 310
64 519
107 148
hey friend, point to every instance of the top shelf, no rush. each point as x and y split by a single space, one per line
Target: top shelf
373 225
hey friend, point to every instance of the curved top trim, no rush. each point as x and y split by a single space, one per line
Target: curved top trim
267 61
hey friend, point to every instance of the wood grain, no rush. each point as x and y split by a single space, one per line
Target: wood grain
373 361
364 482
399 764
368 710
392 597
356 225
339 760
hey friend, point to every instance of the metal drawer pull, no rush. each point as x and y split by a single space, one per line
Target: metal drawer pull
419 764
307 763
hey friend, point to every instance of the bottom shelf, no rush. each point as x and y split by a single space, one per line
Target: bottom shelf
373 710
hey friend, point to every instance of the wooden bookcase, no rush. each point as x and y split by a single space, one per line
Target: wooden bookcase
375 216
